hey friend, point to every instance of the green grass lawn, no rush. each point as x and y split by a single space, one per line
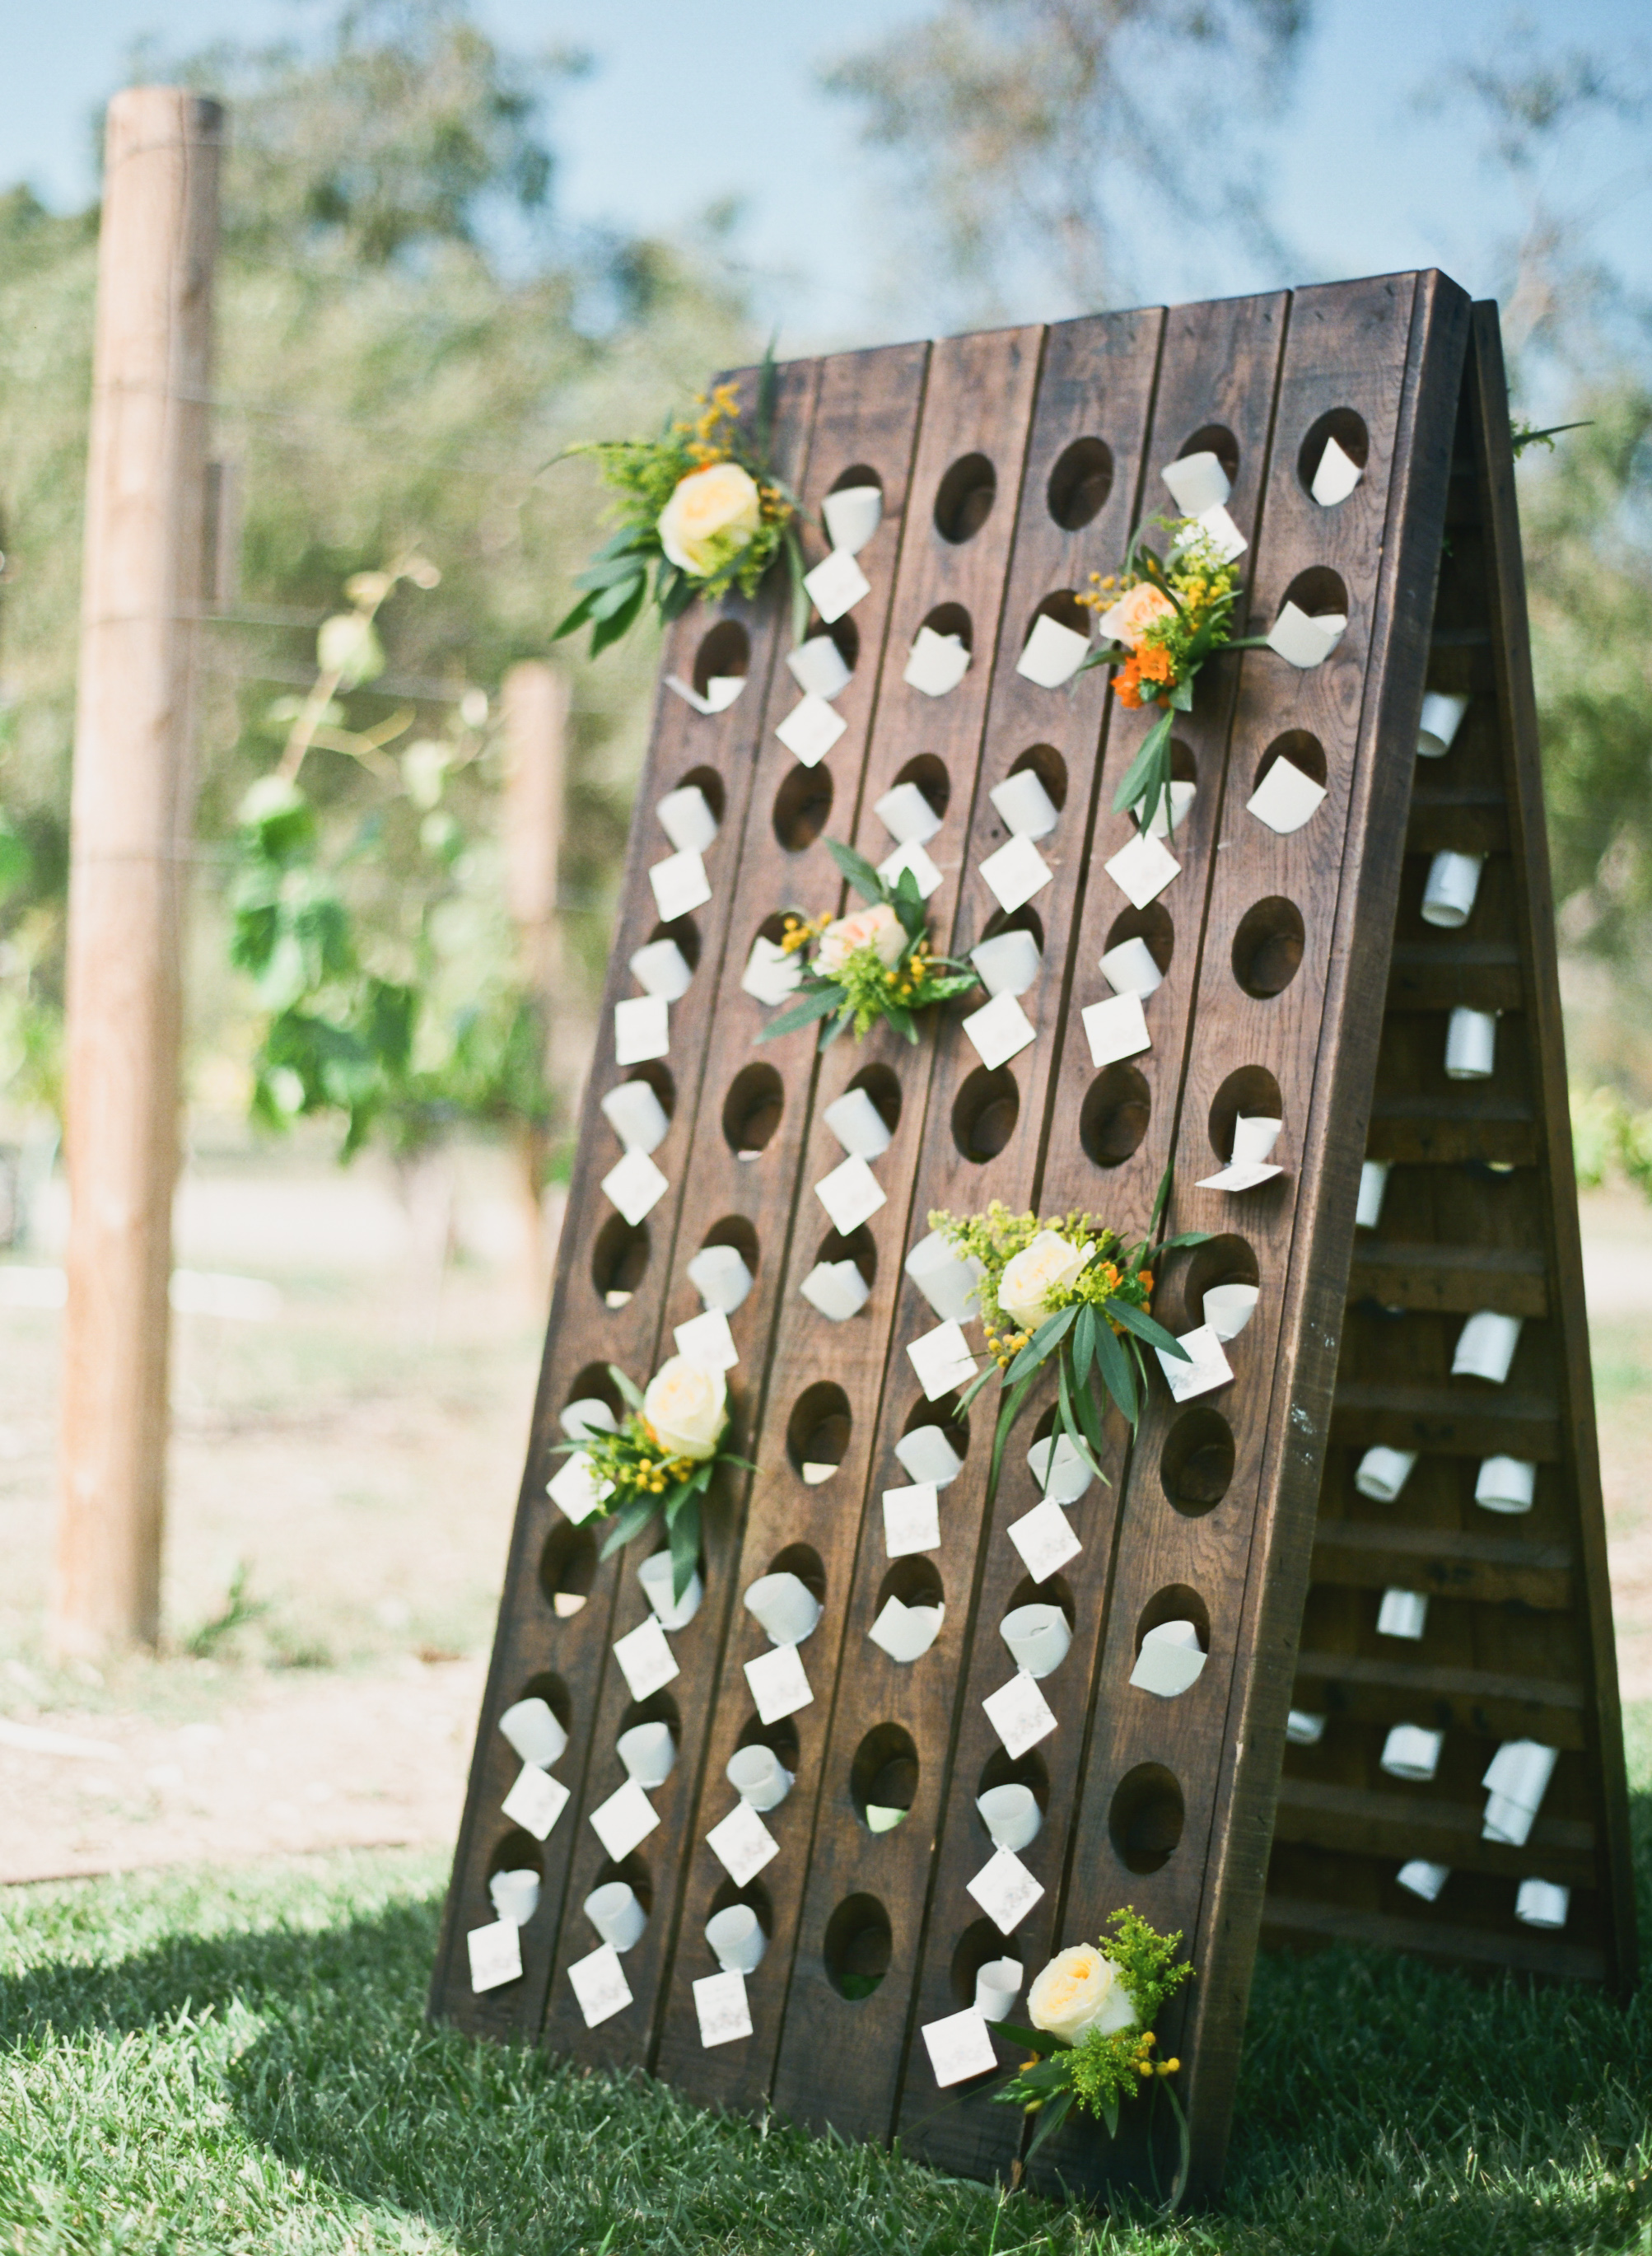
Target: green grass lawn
239 2062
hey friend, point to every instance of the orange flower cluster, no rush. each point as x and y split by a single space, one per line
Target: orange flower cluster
1148 663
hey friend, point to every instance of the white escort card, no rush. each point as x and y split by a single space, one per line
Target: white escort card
837 1289
817 666
1422 1878
720 691
1442 718
1208 1368
641 1029
1411 1751
906 1633
1020 1715
1046 1540
926 1454
1131 968
1285 799
771 975
1304 642
1008 963
495 1956
911 1520
742 1843
1403 1613
915 857
1170 1661
1486 1346
1197 481
1336 478
1142 869
646 1660
530 1729
624 1821
810 730
536 1802
937 663
722 2009
1382 1472
662 968
686 819
1448 895
576 1490
1541 1903
851 516
636 1115
1219 530
836 586
942 1360
719 1274
1471 1044
1303 1730
1171 809
1505 1484
948 1281
1059 1470
706 1339
999 1030
1053 654
779 1683
599 1985
858 1124
958 2048
635 1186
1228 1309
680 883
851 1194
1016 873
1373 1182
1116 1028
1005 1890
907 816
515 1895
1024 807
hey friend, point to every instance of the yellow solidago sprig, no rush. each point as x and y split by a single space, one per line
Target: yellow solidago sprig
698 508
1164 617
1067 1286
1092 2038
659 1458
875 963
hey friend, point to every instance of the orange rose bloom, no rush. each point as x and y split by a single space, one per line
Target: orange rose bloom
1135 612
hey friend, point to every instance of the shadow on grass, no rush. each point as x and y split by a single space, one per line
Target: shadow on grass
1385 2105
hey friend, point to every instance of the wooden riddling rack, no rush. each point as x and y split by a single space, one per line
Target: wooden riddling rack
1013 465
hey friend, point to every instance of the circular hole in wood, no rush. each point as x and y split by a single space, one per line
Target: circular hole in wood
1318 591
1152 925
733 1229
658 1078
658 1708
1114 1117
915 1580
548 1686
1080 482
1213 439
1195 1465
1048 765
932 779
685 933
595 1383
1025 918
780 1738
1267 946
883 1775
1190 1272
567 1569
752 1109
1349 431
1061 605
952 620
1174 1602
802 805
632 1871
984 1113
859 1246
709 784
857 1947
725 1895
515 1851
858 474
818 1432
1145 1817
978 1946
963 498
1000 1768
881 1085
842 633
1184 767
803 1560
943 1415
1303 751
618 1260
1252 1091
1057 1591
724 655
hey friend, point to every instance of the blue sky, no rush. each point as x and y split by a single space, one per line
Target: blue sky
670 120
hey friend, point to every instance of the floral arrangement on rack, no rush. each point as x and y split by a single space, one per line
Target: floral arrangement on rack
660 1459
1092 2010
875 963
699 508
1066 1286
1164 617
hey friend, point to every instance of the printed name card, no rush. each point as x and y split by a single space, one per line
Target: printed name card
771 975
851 1194
635 1185
600 1985
911 1520
958 2048
907 816
722 2009
495 1955
1207 1369
641 1029
817 666
937 663
1053 654
1006 1891
1046 1540
942 1360
742 1843
1016 873
1116 1029
680 883
1020 1714
836 586
999 1030
779 1683
624 1821
536 1802
810 730
646 1660
912 856
706 1339
686 819
1142 869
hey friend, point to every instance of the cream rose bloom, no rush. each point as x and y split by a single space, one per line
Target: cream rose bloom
1133 613
687 1405
1037 1271
876 927
1078 1990
712 515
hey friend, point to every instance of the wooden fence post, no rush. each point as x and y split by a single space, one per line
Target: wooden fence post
131 828
534 699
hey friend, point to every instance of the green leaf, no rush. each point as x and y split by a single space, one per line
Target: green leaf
614 628
1089 1419
1185 1238
1161 1200
1051 2116
630 1521
1148 778
982 1379
815 1006
1048 1336
575 619
1146 1328
1006 1418
630 1393
1116 1375
859 872
1039 2041
1084 1344
1070 1420
684 1526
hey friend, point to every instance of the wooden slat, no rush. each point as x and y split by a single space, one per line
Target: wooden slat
1286 1919
1469 818
1452 1279
1496 1570
1448 1418
1398 1822
1441 975
1479 1701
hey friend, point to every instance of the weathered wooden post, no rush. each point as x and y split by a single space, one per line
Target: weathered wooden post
131 819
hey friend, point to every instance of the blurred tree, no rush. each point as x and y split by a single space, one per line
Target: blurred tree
407 339
1042 139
